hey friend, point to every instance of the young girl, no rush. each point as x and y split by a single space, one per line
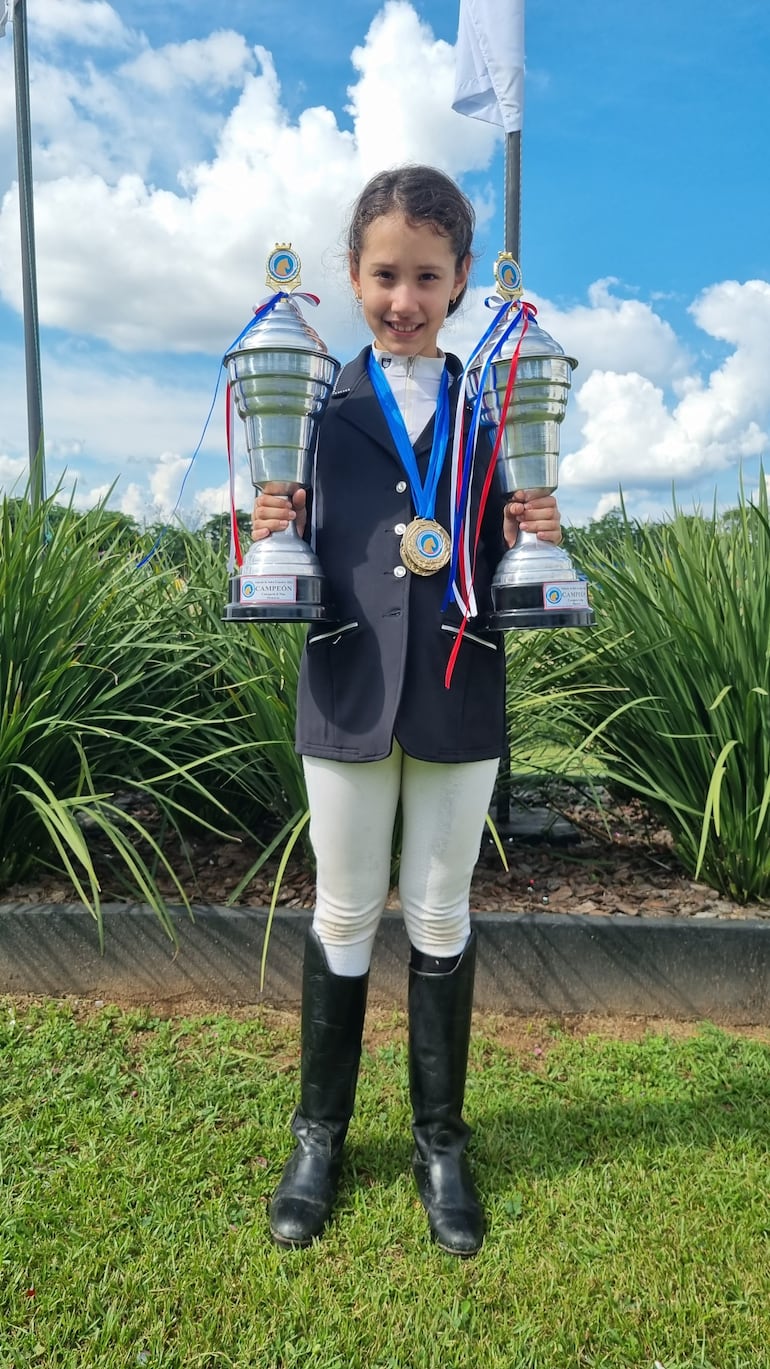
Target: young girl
376 725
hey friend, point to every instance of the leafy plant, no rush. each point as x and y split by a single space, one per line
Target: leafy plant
98 671
250 690
684 653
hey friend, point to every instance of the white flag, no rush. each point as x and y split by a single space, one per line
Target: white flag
7 13
489 72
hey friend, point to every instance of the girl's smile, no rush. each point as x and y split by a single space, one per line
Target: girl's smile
405 278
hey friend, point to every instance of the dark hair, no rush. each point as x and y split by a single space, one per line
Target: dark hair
423 195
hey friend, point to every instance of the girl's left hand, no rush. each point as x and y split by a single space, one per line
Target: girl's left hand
532 512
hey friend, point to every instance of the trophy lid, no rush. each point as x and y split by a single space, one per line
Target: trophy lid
283 326
536 342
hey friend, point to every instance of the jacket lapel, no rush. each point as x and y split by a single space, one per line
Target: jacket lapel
358 405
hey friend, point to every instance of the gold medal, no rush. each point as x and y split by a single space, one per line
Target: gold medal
425 546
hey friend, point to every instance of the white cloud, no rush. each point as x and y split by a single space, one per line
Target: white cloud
640 504
606 504
147 266
401 102
214 499
657 420
96 119
88 23
217 62
8 156
159 194
610 333
631 433
108 426
81 123
159 501
13 474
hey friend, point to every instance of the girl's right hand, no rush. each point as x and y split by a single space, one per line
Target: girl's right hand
274 512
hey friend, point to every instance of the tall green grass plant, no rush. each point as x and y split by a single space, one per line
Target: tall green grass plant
683 654
119 675
250 688
98 677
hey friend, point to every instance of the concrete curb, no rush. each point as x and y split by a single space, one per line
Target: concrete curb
528 962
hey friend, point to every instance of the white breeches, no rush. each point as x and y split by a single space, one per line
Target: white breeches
352 813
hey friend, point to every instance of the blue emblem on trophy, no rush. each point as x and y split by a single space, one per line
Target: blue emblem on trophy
508 276
283 267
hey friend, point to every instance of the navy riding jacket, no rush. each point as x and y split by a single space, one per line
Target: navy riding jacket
377 672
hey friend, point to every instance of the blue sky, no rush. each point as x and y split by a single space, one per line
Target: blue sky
174 143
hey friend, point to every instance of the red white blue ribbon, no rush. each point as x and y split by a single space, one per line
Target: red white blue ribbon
464 451
463 564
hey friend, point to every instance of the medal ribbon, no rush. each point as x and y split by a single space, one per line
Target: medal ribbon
423 494
460 473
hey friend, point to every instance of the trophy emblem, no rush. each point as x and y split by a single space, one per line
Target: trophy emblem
281 377
535 584
508 276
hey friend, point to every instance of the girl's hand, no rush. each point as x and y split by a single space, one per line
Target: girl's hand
531 512
274 512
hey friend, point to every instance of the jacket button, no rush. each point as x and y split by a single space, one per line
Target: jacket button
399 572
400 529
400 487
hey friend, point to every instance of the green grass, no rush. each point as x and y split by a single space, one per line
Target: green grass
626 1183
550 760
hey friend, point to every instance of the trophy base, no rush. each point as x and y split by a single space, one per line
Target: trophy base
246 605
522 607
280 581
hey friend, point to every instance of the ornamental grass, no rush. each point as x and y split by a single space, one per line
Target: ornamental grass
120 678
99 668
682 652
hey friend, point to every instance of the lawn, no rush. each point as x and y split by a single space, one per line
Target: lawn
626 1183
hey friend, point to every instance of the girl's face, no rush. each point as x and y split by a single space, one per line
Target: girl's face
405 278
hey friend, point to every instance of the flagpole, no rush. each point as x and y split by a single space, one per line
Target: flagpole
489 85
28 268
512 221
502 796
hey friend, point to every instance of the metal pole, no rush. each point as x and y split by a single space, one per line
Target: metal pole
512 240
28 270
512 222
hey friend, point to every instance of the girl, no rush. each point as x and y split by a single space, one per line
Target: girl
376 725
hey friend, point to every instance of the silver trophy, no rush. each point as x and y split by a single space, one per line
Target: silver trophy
281 378
536 584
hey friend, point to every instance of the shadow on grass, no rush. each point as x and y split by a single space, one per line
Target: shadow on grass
558 1137
562 1136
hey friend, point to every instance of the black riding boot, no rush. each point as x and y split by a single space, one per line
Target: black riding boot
439 1032
333 1008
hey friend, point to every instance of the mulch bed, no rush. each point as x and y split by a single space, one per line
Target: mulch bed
615 861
